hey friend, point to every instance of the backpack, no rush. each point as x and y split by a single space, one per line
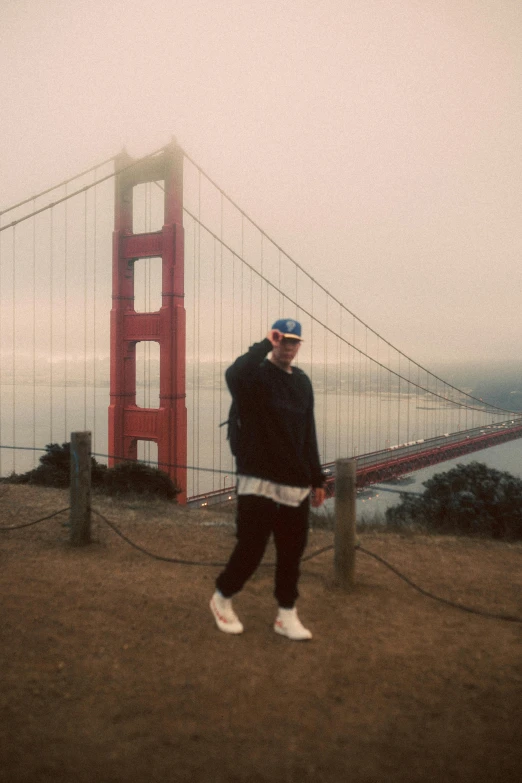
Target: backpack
233 427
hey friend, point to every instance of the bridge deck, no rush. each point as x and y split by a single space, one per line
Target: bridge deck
398 461
393 463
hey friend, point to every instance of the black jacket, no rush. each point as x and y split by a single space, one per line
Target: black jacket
277 438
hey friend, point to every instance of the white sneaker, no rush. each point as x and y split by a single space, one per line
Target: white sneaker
288 624
225 617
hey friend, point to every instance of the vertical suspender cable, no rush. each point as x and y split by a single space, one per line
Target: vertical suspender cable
438 409
251 314
194 304
198 297
408 437
214 338
221 338
1 363
65 346
430 406
358 355
347 394
345 380
242 281
34 329
364 381
382 415
148 306
143 274
94 296
85 312
426 408
399 439
338 400
388 423
233 306
144 267
325 386
312 324
378 405
51 275
279 284
14 348
353 389
374 397
345 397
366 444
446 422
455 413
417 424
262 330
369 364
249 302
296 292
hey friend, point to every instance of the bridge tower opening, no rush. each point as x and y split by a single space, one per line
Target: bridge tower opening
129 423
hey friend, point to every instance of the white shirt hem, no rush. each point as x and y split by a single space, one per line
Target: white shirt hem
279 493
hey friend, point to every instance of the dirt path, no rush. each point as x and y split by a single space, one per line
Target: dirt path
113 671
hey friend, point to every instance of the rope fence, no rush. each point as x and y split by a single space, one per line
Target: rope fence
35 521
343 521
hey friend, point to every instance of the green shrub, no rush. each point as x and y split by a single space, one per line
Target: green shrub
140 479
468 499
54 469
124 479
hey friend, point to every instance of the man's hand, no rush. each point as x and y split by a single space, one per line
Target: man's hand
275 336
318 497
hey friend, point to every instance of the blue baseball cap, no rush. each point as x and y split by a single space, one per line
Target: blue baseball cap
288 328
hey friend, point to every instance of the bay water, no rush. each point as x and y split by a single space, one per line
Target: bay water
33 416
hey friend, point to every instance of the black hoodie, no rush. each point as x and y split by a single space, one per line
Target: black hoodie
277 438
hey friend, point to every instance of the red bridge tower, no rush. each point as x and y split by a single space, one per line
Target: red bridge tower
128 423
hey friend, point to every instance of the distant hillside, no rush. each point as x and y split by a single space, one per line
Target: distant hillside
499 383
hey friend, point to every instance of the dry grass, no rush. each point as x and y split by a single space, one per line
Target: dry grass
112 668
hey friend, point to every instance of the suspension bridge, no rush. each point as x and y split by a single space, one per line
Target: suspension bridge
128 289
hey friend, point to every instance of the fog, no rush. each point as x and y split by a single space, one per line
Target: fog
376 141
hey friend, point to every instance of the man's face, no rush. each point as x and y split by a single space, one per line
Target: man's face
285 351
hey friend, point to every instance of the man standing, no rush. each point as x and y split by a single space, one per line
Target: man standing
277 466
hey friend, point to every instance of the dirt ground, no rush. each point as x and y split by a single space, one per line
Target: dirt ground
113 670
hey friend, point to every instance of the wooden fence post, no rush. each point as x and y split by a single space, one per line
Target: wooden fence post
345 516
80 531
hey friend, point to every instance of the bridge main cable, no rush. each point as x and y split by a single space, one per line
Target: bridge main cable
55 187
484 405
318 284
53 204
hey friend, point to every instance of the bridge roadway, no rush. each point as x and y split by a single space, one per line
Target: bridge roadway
395 461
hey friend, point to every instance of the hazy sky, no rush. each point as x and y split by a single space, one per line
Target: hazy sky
378 141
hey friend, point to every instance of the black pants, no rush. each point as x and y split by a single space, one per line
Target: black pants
256 519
